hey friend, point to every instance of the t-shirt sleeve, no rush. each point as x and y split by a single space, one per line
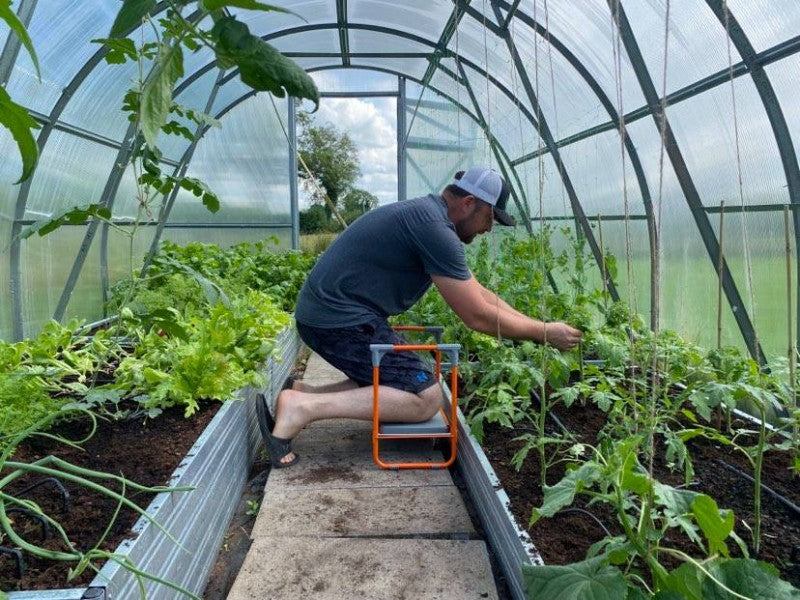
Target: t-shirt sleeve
440 250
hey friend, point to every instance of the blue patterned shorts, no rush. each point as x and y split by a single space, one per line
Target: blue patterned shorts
347 349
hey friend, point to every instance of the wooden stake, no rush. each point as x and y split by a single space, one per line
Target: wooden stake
719 276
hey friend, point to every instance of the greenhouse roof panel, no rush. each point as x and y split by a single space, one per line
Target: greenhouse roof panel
765 22
318 40
63 46
589 34
425 18
303 13
695 47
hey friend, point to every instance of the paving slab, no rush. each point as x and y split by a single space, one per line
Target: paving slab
358 470
435 511
328 440
344 424
344 568
319 371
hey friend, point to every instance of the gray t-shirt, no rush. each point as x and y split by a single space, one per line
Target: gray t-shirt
382 264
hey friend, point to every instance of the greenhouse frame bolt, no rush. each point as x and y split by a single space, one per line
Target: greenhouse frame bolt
94 593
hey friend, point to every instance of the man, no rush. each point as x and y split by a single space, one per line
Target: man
380 266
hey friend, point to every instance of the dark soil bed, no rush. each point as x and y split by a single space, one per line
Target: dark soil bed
566 537
144 451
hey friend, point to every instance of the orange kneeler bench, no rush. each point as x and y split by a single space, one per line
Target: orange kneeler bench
441 426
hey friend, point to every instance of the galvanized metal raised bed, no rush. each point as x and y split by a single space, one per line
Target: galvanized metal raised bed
217 466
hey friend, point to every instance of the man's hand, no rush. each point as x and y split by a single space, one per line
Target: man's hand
561 336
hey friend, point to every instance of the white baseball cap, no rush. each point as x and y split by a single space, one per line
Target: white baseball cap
486 185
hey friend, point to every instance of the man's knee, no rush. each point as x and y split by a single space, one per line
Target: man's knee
430 401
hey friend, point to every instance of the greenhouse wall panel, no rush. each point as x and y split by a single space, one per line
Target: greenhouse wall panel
71 172
708 134
46 263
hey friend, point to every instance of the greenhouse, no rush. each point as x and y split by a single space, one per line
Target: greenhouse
173 204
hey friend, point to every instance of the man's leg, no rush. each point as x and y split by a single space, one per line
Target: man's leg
339 386
296 409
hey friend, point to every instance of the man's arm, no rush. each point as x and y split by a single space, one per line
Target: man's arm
483 311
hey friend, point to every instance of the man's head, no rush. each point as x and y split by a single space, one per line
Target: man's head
477 197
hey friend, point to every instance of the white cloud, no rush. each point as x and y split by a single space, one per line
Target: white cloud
371 124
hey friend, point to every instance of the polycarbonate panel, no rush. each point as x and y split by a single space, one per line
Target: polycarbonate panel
61 31
706 132
489 53
4 30
246 163
364 40
97 104
6 318
766 301
425 18
45 266
544 188
10 171
121 261
71 172
588 31
320 64
441 141
665 191
766 22
566 100
595 167
353 80
696 47
230 92
86 301
785 78
306 12
689 285
318 40
412 67
227 237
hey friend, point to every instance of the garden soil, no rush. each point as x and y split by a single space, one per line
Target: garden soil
566 537
145 451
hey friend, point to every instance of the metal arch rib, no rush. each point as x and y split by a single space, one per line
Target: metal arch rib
344 39
685 179
780 129
547 137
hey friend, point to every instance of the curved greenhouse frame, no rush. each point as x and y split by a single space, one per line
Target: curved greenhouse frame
556 96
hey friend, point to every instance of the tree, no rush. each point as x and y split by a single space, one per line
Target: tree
314 219
332 158
356 202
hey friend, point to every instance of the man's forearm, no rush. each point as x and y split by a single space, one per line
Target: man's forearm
507 322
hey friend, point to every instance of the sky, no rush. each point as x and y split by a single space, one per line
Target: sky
371 124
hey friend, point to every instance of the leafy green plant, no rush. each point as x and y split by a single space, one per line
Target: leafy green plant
647 510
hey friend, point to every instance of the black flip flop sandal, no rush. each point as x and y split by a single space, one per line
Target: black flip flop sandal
278 447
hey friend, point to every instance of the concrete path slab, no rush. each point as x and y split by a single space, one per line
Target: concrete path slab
357 470
319 371
330 440
428 511
344 568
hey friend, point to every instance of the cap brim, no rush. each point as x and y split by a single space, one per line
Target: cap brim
503 217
